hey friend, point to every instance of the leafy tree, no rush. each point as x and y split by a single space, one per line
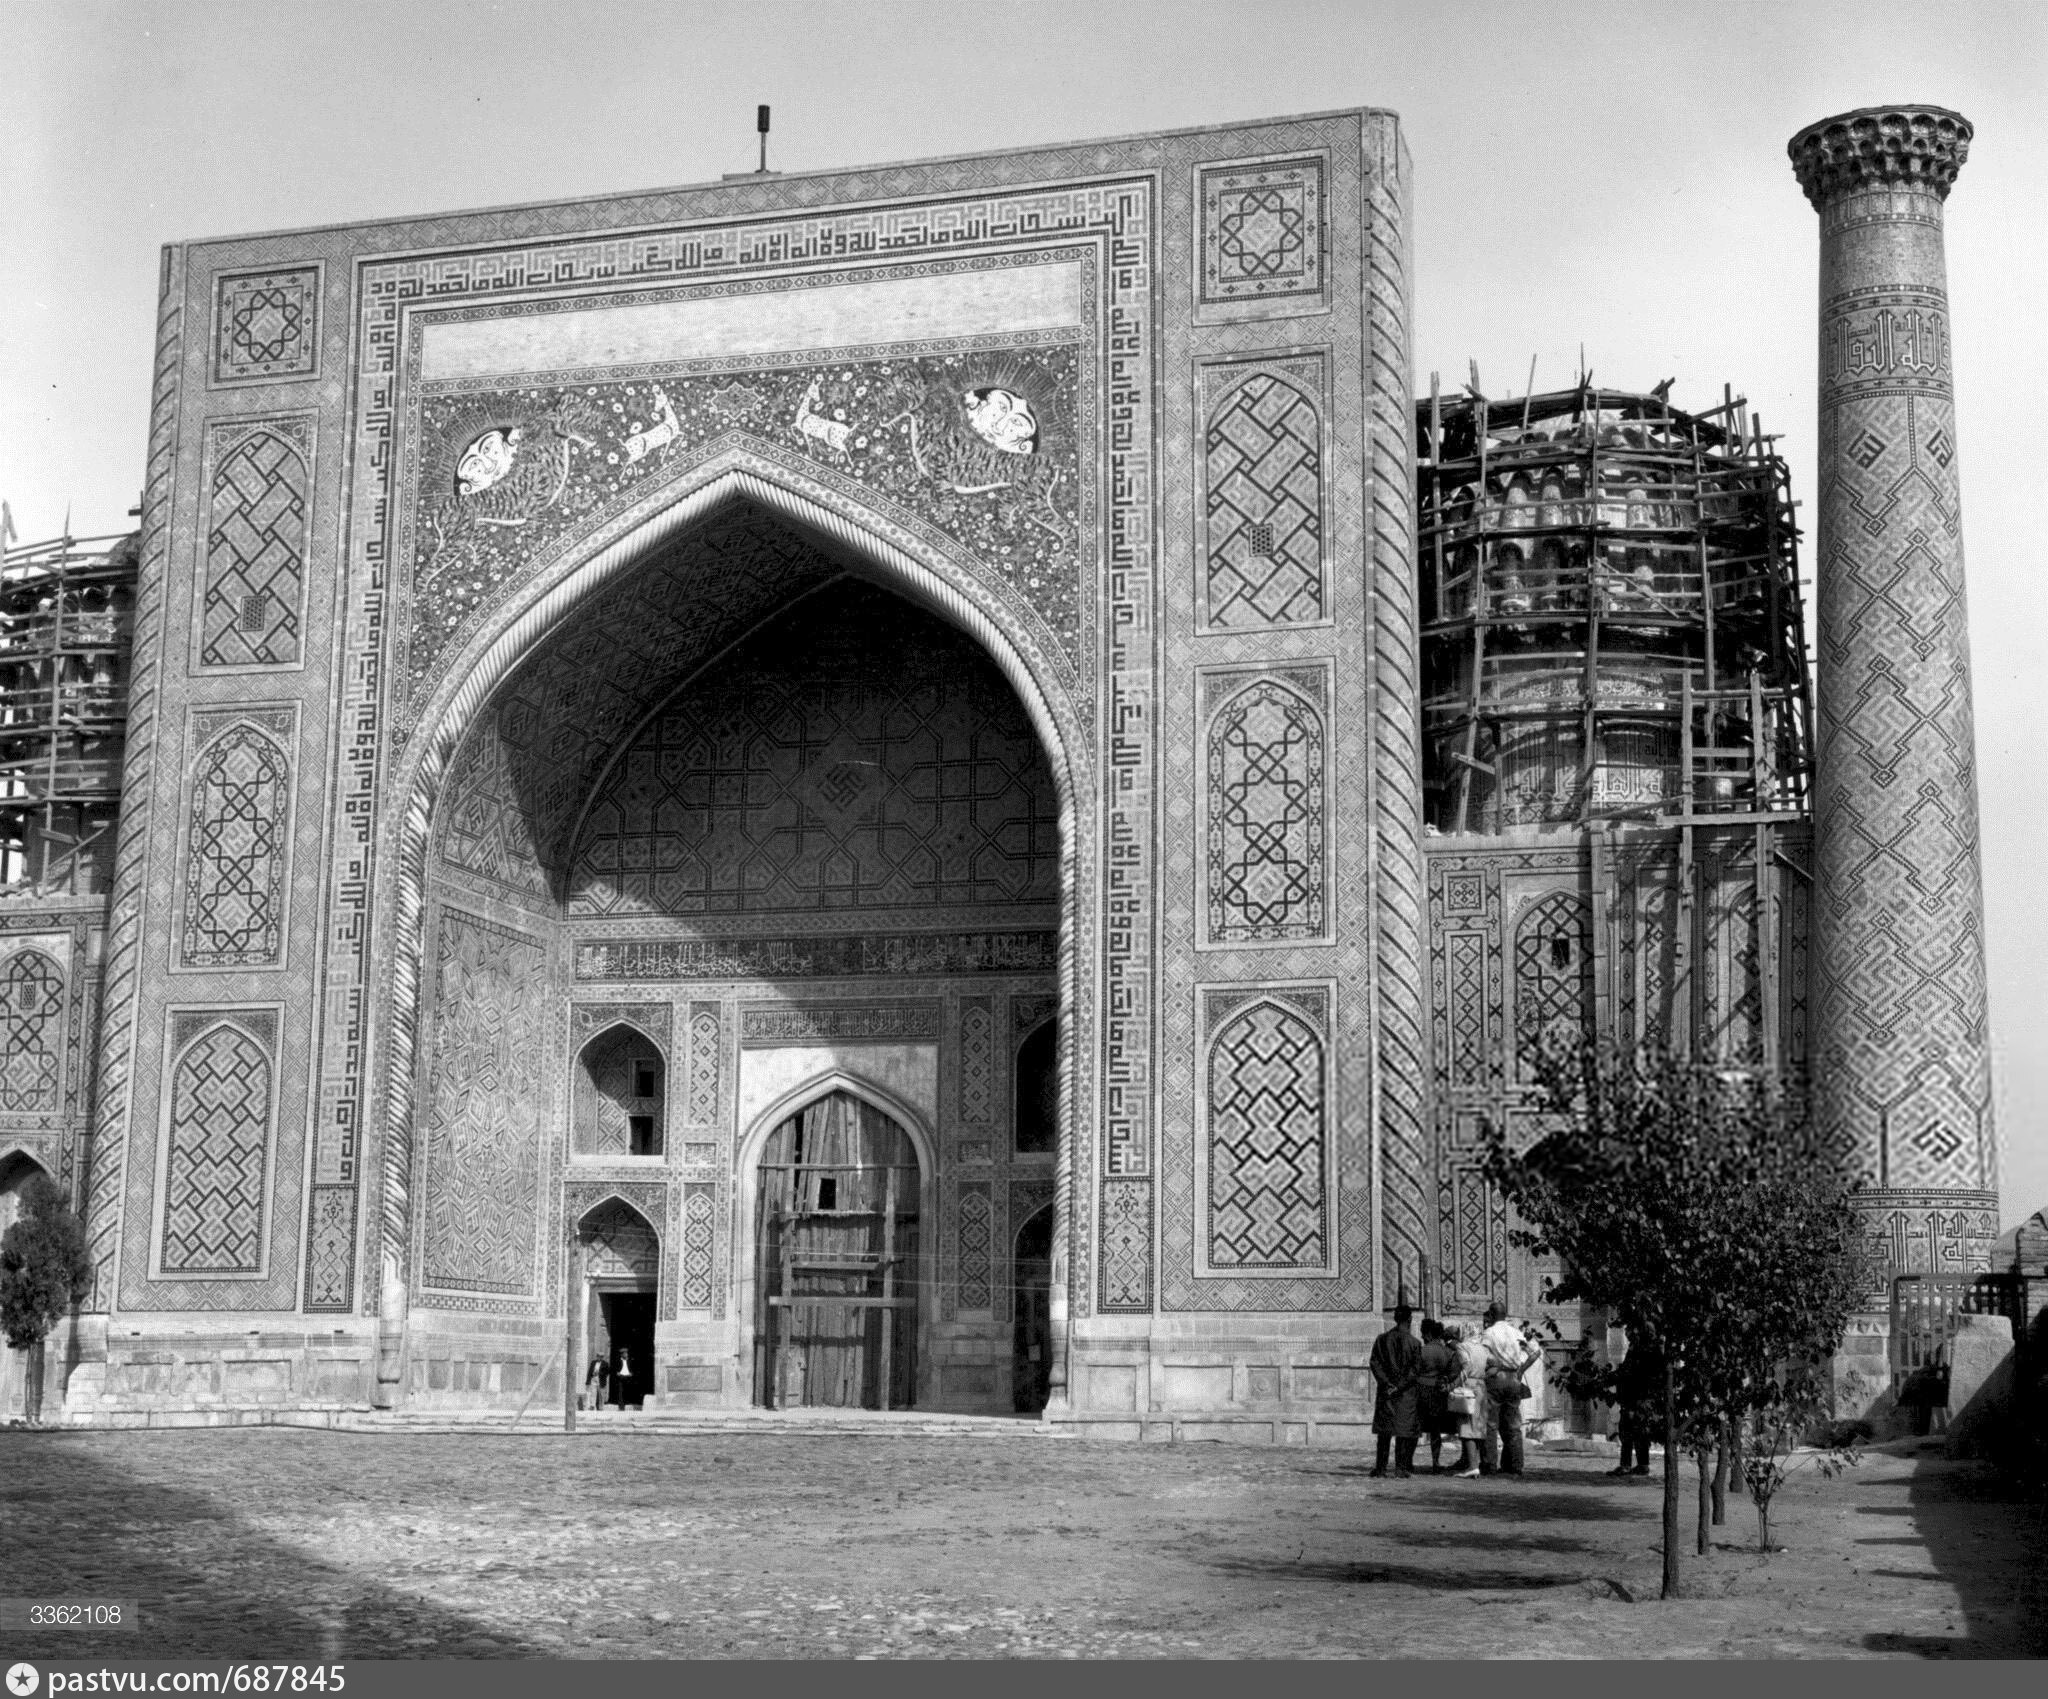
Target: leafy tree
44 1270
1692 1200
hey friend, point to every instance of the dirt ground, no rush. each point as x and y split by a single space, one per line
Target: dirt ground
302 1545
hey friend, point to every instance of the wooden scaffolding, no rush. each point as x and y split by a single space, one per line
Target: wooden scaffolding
66 626
1613 641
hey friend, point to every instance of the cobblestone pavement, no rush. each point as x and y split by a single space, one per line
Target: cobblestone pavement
303 1545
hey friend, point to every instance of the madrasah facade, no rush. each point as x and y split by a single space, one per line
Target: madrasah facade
947 786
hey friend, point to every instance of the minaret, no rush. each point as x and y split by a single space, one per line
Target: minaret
1901 1076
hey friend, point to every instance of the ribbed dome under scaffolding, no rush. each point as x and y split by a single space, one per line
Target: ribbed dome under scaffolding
66 623
1611 616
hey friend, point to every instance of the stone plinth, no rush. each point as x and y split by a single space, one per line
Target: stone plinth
1901 1075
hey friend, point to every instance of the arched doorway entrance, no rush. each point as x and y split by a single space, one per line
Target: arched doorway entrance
621 1270
836 1235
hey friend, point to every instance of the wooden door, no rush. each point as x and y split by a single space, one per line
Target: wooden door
837 1239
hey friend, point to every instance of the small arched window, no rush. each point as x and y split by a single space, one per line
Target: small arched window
621 1094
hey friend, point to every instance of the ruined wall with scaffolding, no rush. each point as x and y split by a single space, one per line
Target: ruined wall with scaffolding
66 613
1617 744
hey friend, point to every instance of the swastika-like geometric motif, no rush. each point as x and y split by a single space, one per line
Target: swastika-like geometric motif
620 1243
256 544
1266 839
1265 507
481 1079
859 755
235 852
1262 230
702 1098
266 325
977 1061
1267 1145
699 1221
977 1232
31 1033
217 1166
1553 977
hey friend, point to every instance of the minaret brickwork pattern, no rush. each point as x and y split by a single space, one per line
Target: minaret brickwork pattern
1901 1074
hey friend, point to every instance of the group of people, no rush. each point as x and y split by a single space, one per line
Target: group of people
610 1380
1448 1386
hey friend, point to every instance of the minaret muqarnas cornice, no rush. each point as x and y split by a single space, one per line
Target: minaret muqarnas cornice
1900 1062
1881 147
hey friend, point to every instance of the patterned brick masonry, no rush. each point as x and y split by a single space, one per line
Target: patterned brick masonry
1902 1077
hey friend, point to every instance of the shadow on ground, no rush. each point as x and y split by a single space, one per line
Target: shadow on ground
208 1584
1965 1514
1465 1579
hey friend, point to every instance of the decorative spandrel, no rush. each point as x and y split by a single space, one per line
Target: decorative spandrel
981 445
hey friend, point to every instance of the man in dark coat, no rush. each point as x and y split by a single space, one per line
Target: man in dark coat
1639 1389
1396 1366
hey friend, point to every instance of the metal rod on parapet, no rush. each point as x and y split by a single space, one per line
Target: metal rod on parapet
761 124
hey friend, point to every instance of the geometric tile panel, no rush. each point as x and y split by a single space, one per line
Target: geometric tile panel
1126 1237
256 545
861 755
977 1231
977 1061
31 1033
701 1104
1267 1147
1553 976
1262 230
265 326
1265 507
330 1250
699 1220
1266 847
235 853
219 1152
481 1079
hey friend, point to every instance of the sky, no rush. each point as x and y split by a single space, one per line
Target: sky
1612 176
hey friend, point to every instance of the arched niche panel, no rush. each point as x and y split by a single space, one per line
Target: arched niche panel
217 1156
619 1095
